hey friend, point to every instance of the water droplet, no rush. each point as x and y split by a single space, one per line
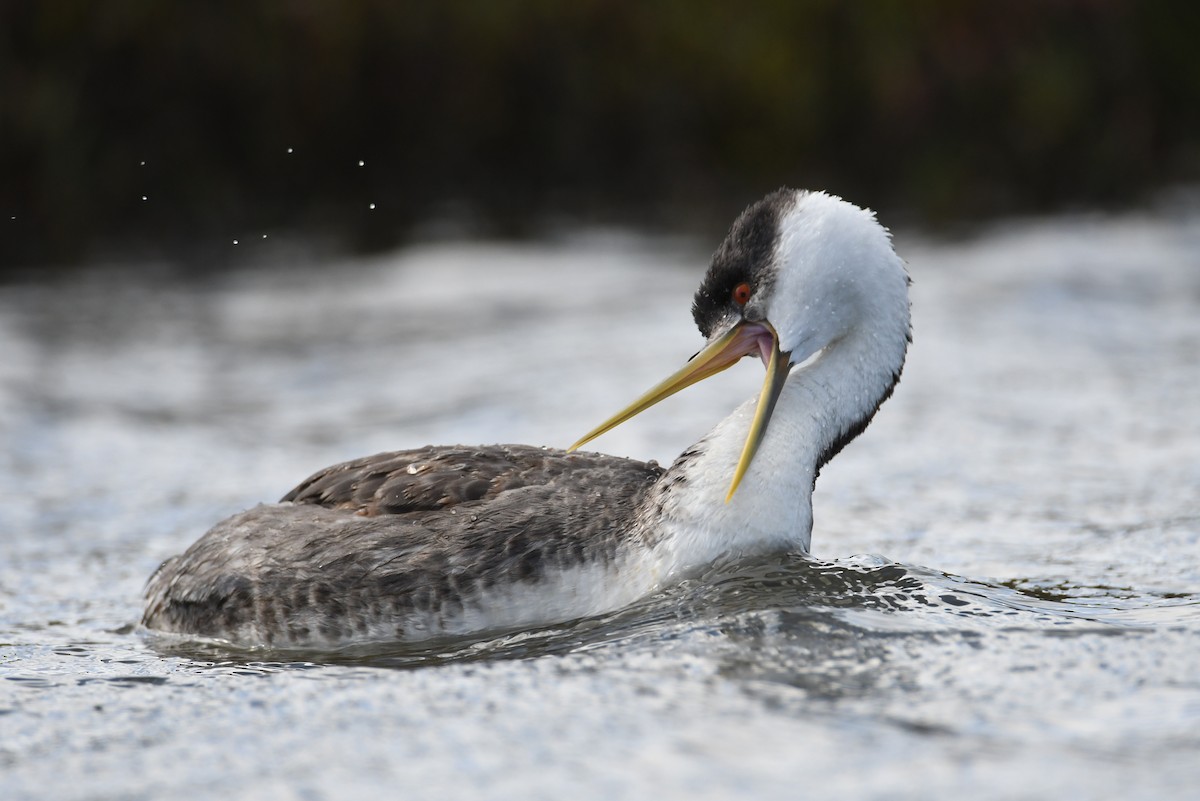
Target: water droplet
371 206
143 197
264 236
362 163
142 164
235 241
289 150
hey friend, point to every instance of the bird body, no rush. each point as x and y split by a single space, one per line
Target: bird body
438 541
454 541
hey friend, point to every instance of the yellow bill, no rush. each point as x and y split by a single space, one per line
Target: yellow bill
743 339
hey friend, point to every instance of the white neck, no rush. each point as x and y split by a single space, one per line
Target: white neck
820 403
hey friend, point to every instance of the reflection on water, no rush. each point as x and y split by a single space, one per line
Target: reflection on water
796 603
1040 457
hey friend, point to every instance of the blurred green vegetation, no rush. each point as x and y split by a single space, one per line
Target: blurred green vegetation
238 119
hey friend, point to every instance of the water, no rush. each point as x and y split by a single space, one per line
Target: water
1004 598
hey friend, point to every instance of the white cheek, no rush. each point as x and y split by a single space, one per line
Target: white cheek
824 319
816 298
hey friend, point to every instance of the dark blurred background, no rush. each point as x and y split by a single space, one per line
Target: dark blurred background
148 130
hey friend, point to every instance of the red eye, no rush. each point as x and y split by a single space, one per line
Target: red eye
741 294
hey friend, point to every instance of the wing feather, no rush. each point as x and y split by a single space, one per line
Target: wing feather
438 478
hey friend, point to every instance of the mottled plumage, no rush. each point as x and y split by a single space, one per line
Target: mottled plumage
404 539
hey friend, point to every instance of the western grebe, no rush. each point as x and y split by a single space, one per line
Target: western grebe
453 541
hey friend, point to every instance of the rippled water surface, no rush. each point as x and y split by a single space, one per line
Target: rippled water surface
1003 601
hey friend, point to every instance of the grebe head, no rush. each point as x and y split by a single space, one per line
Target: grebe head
808 265
798 273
